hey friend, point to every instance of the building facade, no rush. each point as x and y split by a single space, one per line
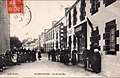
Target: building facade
4 28
49 39
96 21
56 36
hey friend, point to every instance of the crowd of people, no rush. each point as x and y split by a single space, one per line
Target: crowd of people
17 56
91 57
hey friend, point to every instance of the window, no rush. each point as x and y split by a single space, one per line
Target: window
56 44
61 30
110 37
108 2
74 41
56 35
62 35
74 16
53 44
69 19
53 34
70 41
61 26
95 4
82 10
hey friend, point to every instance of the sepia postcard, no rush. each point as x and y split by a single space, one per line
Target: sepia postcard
59 38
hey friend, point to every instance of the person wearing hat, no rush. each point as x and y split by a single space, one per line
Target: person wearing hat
89 57
74 60
97 61
85 57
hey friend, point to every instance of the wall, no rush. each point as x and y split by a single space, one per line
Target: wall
110 63
4 28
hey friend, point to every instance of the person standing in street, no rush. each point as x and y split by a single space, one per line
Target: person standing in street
73 60
53 54
39 55
96 59
15 56
49 54
62 55
85 57
66 56
57 54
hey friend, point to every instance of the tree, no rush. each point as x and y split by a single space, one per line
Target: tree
15 42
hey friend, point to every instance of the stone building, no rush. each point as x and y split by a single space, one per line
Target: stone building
4 28
56 36
96 21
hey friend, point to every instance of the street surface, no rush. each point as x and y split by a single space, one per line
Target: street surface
46 68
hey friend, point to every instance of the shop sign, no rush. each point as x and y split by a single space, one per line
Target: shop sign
78 29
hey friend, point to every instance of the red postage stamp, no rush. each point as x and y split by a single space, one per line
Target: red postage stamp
15 6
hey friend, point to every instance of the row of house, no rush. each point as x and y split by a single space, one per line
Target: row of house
56 37
87 22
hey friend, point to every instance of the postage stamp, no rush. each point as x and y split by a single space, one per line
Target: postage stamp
15 6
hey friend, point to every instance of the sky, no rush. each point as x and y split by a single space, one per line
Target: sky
43 13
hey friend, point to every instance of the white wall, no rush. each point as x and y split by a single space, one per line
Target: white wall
4 29
110 63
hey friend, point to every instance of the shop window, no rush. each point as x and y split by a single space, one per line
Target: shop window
95 4
108 2
110 37
82 10
69 20
74 16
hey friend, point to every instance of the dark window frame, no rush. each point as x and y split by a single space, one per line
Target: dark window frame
69 19
106 36
95 4
108 2
74 16
82 10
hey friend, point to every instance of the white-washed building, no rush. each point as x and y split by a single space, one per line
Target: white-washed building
96 21
49 39
56 36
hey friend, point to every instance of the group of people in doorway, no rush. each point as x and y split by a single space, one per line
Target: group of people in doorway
16 56
91 57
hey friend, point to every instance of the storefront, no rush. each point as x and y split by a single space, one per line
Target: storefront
81 39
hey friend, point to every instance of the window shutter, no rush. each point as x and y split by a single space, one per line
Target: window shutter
106 35
117 33
107 42
117 47
98 4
